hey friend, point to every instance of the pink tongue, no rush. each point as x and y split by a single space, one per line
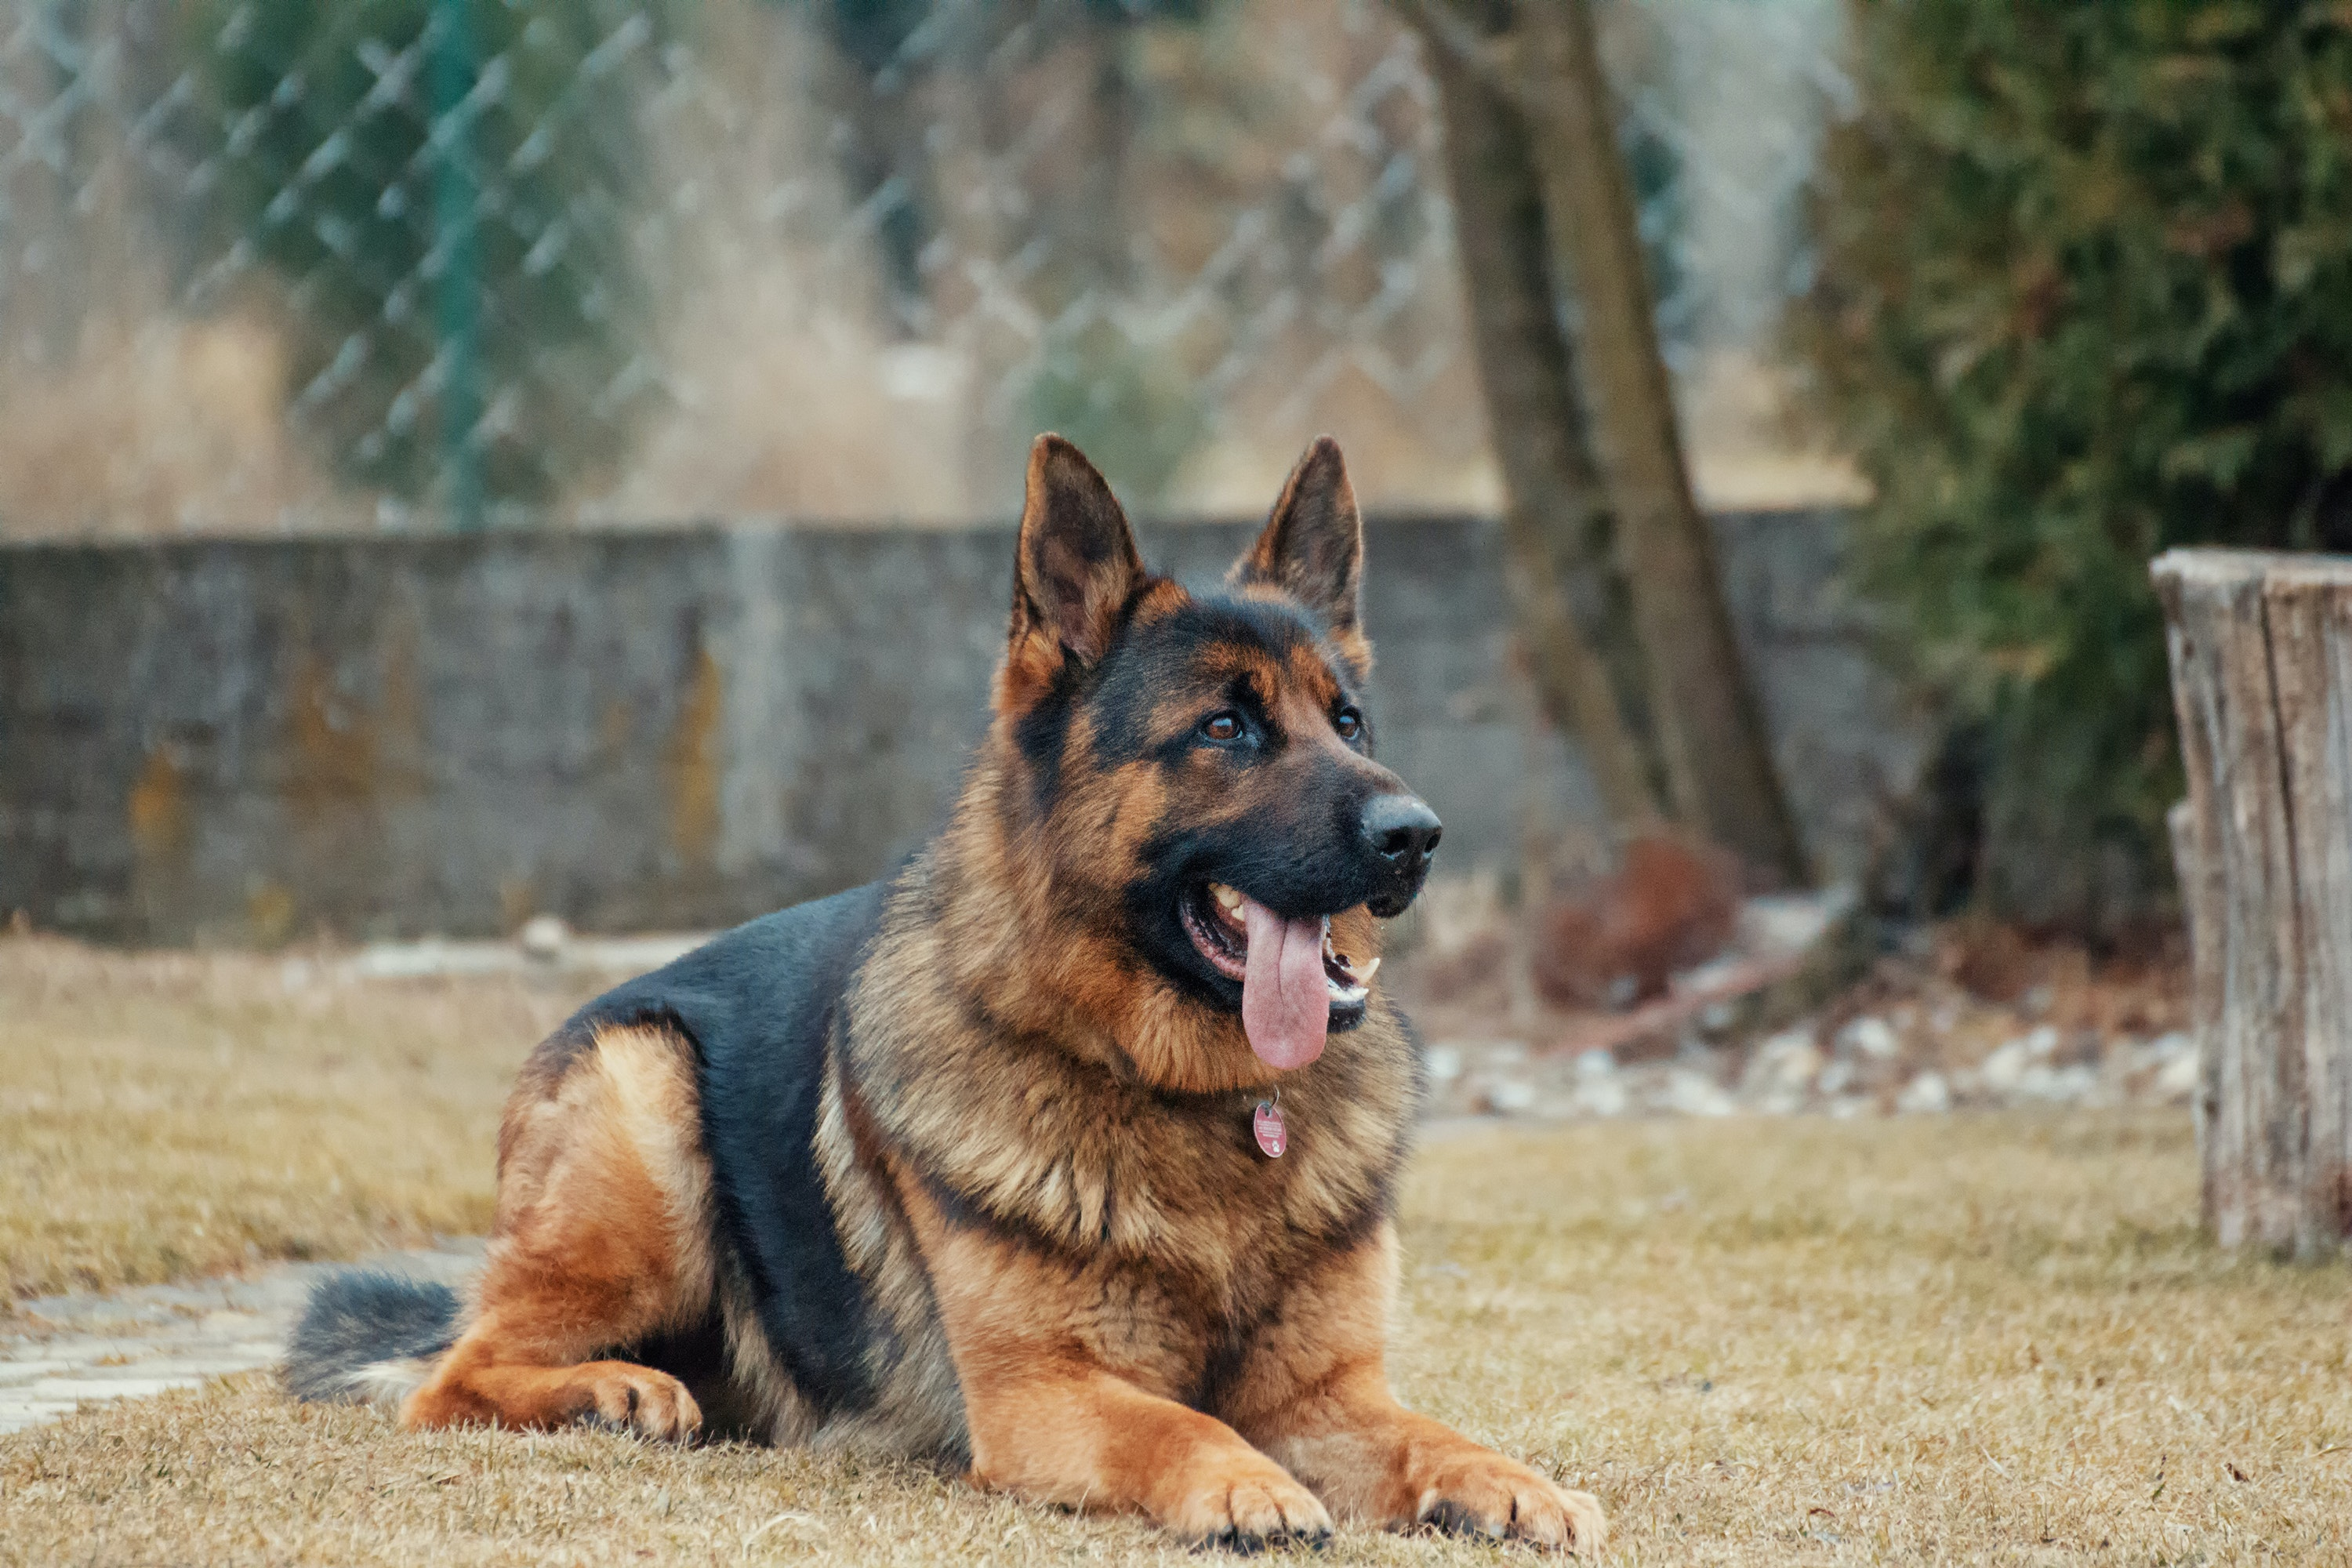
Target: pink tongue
1285 1005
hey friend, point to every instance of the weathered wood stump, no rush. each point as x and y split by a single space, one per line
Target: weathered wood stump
2262 677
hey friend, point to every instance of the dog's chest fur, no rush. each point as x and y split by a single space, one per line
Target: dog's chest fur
1178 1232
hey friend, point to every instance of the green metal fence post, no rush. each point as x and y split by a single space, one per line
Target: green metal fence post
457 294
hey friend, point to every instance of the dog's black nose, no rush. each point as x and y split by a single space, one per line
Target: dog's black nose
1403 831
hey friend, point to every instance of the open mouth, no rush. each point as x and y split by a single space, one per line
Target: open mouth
1218 919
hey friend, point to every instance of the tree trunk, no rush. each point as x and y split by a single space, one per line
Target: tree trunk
1553 505
2262 677
1709 726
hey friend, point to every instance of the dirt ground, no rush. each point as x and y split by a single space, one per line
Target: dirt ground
1975 1337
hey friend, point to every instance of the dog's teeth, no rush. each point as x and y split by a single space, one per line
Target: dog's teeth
1225 896
1371 967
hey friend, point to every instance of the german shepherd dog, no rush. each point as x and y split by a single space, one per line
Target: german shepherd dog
1067 1157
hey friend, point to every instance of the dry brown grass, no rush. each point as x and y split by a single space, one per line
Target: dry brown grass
175 1114
1991 1339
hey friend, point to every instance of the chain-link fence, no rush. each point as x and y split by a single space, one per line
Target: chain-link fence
409 263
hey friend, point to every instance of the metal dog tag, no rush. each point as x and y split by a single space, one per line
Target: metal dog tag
1272 1138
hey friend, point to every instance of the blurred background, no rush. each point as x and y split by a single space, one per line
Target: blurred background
491 490
421 266
464 461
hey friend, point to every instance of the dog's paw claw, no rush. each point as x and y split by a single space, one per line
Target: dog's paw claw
642 1402
1489 1495
1252 1514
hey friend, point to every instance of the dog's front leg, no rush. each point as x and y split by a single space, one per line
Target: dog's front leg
1314 1393
1058 1430
1065 1398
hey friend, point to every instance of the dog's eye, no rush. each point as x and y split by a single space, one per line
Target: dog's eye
1349 723
1224 726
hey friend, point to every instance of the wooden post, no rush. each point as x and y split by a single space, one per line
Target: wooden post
2261 646
2308 604
2203 898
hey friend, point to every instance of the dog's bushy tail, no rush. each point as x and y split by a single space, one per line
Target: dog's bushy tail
369 1337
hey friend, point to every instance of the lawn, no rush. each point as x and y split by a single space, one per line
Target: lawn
176 1114
1960 1339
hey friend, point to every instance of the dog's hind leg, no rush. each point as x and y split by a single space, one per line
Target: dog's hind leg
602 1239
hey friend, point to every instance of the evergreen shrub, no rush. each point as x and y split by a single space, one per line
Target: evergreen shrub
2083 293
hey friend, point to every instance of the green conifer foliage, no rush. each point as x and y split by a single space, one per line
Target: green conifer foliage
2084 293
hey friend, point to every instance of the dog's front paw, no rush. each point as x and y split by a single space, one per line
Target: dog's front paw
1248 1506
623 1397
1480 1493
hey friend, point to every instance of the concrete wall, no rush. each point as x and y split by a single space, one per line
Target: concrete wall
246 741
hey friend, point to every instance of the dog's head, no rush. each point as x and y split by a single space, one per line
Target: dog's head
1196 769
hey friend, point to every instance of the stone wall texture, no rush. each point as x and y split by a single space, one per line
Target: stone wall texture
248 741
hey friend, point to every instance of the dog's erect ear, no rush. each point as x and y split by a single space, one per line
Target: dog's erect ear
1076 564
1313 546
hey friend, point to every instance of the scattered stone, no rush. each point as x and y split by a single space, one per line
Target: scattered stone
1510 1096
1690 1093
1870 1037
2176 1080
545 938
1602 1097
1926 1095
1785 1063
2057 1086
2005 1067
1915 1035
1445 1064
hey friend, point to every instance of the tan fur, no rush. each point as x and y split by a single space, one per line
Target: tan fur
602 1235
1315 1396
1036 1146
1082 1408
1103 1247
